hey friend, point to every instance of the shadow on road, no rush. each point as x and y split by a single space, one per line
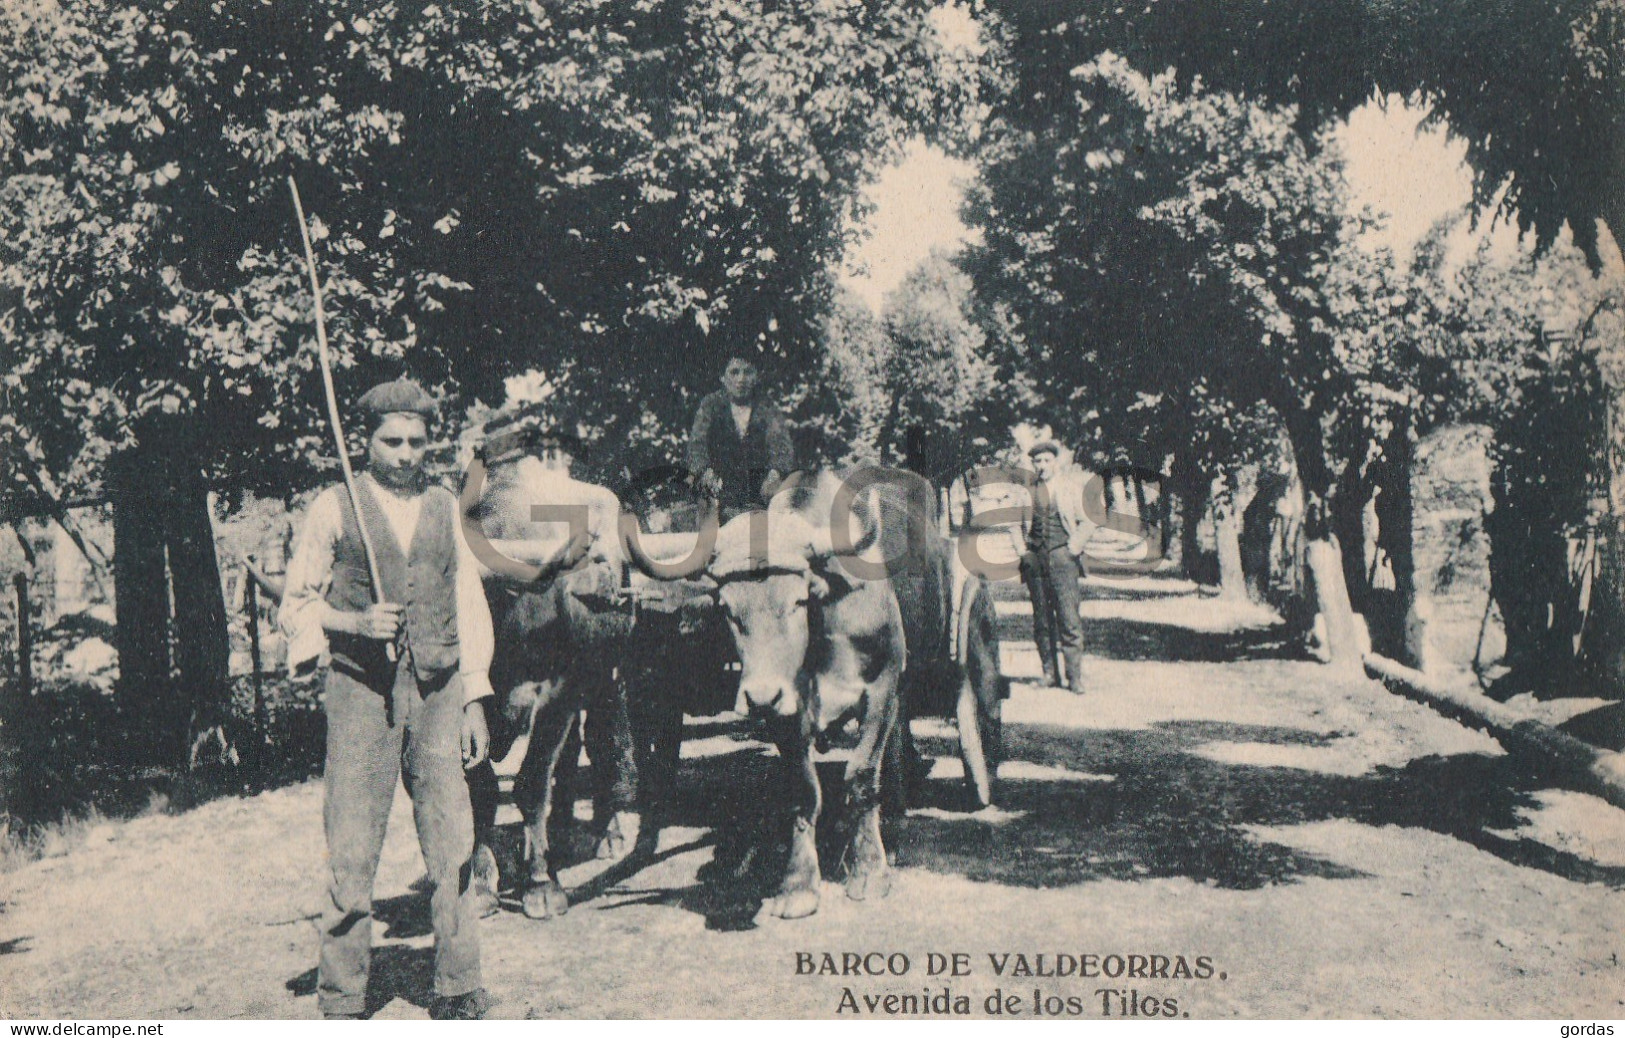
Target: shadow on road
1109 805
1603 727
1122 639
1169 812
1162 638
1128 805
397 971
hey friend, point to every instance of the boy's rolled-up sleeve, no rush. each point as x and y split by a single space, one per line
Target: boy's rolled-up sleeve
304 610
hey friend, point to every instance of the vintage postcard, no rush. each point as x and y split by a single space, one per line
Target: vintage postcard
845 510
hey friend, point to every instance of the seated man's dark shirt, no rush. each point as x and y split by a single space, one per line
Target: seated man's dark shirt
742 463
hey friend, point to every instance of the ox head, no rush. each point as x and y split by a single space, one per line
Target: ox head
767 570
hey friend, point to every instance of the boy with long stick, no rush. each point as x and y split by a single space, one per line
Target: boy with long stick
404 695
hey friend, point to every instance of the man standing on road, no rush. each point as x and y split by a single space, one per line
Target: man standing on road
739 449
415 710
1054 534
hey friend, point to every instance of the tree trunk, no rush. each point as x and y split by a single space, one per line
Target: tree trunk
141 599
1347 507
1545 457
1289 579
1258 532
202 644
1342 644
1610 591
172 637
1607 633
1165 513
1323 553
1396 628
1603 632
1193 499
1612 586
25 636
1523 610
888 428
1227 537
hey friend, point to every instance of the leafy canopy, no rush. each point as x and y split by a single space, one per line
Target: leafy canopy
613 192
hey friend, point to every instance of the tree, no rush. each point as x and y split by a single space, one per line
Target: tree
1154 212
608 191
1424 343
601 189
1537 90
850 397
1162 224
1491 339
919 384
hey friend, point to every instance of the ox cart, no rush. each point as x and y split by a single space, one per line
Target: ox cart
681 659
958 682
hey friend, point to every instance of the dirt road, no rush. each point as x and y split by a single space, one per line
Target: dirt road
1317 848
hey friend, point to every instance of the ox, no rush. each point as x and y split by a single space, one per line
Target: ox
558 636
825 636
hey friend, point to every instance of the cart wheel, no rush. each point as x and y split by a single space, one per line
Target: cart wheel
979 739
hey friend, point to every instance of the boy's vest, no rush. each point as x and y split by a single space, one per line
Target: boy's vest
424 580
740 461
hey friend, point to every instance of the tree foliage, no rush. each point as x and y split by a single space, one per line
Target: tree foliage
1536 89
918 385
615 192
1149 225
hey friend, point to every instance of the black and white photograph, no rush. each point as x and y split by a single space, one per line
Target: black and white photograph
900 510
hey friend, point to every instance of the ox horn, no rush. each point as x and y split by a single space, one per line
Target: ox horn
683 569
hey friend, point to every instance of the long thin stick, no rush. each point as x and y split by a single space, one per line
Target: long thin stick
333 406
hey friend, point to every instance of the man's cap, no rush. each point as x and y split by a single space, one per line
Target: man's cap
402 396
1044 447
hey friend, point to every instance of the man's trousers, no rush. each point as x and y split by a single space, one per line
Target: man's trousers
1052 584
374 736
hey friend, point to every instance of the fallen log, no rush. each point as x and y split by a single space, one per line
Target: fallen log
1578 763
